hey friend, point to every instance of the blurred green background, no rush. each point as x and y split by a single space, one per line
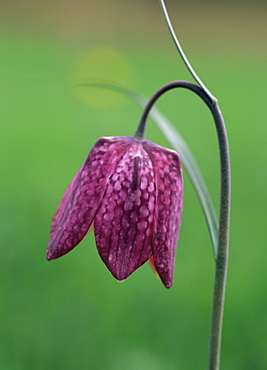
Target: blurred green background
70 313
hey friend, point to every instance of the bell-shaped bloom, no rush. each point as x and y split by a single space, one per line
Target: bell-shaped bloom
131 192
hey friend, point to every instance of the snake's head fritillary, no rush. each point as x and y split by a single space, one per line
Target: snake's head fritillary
131 192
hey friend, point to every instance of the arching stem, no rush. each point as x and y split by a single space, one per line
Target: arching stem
182 54
221 258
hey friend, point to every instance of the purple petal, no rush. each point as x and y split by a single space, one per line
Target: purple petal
124 223
169 204
77 209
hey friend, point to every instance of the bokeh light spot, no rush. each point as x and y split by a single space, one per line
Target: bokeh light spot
102 64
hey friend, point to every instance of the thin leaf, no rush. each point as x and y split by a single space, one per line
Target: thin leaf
187 158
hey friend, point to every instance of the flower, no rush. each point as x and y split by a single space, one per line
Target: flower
131 192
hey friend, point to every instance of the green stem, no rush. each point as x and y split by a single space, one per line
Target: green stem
182 54
221 258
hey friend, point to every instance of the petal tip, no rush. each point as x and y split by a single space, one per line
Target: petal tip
168 284
53 253
49 255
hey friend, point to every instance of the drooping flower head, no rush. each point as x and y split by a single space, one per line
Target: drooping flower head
130 190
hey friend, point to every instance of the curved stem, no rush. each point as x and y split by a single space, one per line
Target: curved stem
182 54
221 258
223 240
